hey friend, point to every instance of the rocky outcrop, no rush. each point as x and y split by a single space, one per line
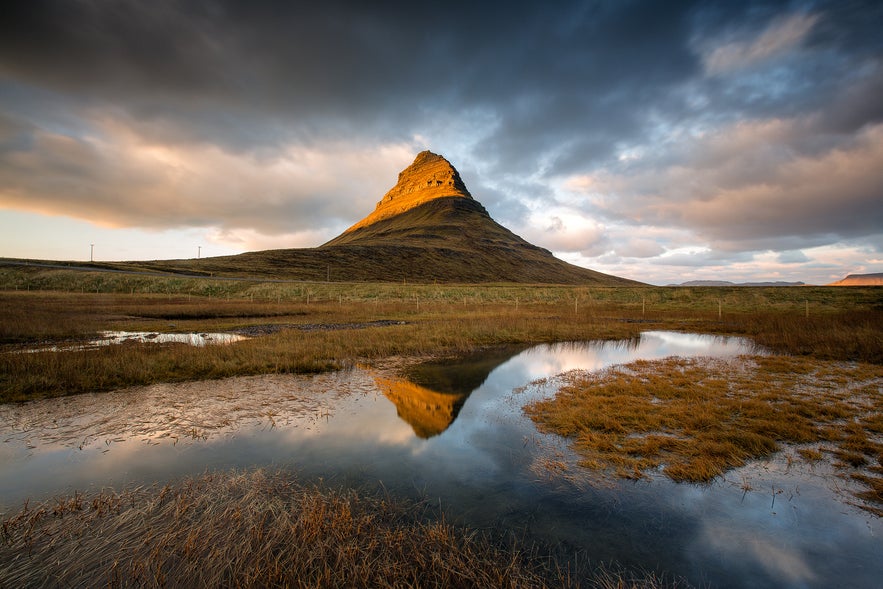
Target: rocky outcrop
430 176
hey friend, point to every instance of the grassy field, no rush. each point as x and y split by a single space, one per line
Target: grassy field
698 418
41 307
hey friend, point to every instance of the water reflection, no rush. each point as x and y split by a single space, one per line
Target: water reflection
456 433
431 396
192 339
428 412
111 338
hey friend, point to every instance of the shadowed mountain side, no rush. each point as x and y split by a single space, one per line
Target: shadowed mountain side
391 263
453 239
446 222
448 240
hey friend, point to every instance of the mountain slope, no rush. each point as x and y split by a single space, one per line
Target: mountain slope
430 176
454 239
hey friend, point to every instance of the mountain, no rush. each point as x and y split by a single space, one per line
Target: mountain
427 228
430 219
860 280
728 283
430 177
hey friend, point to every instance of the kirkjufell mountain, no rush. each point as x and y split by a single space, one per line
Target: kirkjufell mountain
427 228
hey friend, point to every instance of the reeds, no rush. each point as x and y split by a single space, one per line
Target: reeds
698 418
263 529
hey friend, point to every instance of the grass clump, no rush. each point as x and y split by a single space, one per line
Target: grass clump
261 529
697 418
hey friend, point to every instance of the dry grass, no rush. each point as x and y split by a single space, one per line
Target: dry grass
426 330
844 324
260 529
848 334
697 418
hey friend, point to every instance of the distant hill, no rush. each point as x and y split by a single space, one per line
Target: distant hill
427 228
860 280
727 283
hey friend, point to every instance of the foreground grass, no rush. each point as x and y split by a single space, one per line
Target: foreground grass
698 418
260 529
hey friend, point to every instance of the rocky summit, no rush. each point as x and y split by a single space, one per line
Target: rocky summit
430 176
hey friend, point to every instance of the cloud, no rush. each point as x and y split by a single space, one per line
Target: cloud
780 36
748 182
792 257
117 178
564 230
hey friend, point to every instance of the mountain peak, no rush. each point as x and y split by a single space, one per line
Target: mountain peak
429 177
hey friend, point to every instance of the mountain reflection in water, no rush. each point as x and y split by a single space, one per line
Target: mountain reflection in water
432 394
428 412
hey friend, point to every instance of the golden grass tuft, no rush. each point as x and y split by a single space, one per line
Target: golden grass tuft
698 418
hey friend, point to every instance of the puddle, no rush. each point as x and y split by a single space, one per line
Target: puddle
193 339
455 433
110 338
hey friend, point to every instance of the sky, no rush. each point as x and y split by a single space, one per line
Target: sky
658 141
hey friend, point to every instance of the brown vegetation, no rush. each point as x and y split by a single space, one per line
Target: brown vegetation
842 324
428 330
248 530
261 529
697 418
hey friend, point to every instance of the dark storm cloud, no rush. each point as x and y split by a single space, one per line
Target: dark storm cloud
572 79
345 66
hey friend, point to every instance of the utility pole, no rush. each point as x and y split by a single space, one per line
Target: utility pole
91 252
198 252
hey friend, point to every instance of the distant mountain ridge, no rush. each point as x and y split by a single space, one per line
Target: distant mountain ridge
728 283
860 280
